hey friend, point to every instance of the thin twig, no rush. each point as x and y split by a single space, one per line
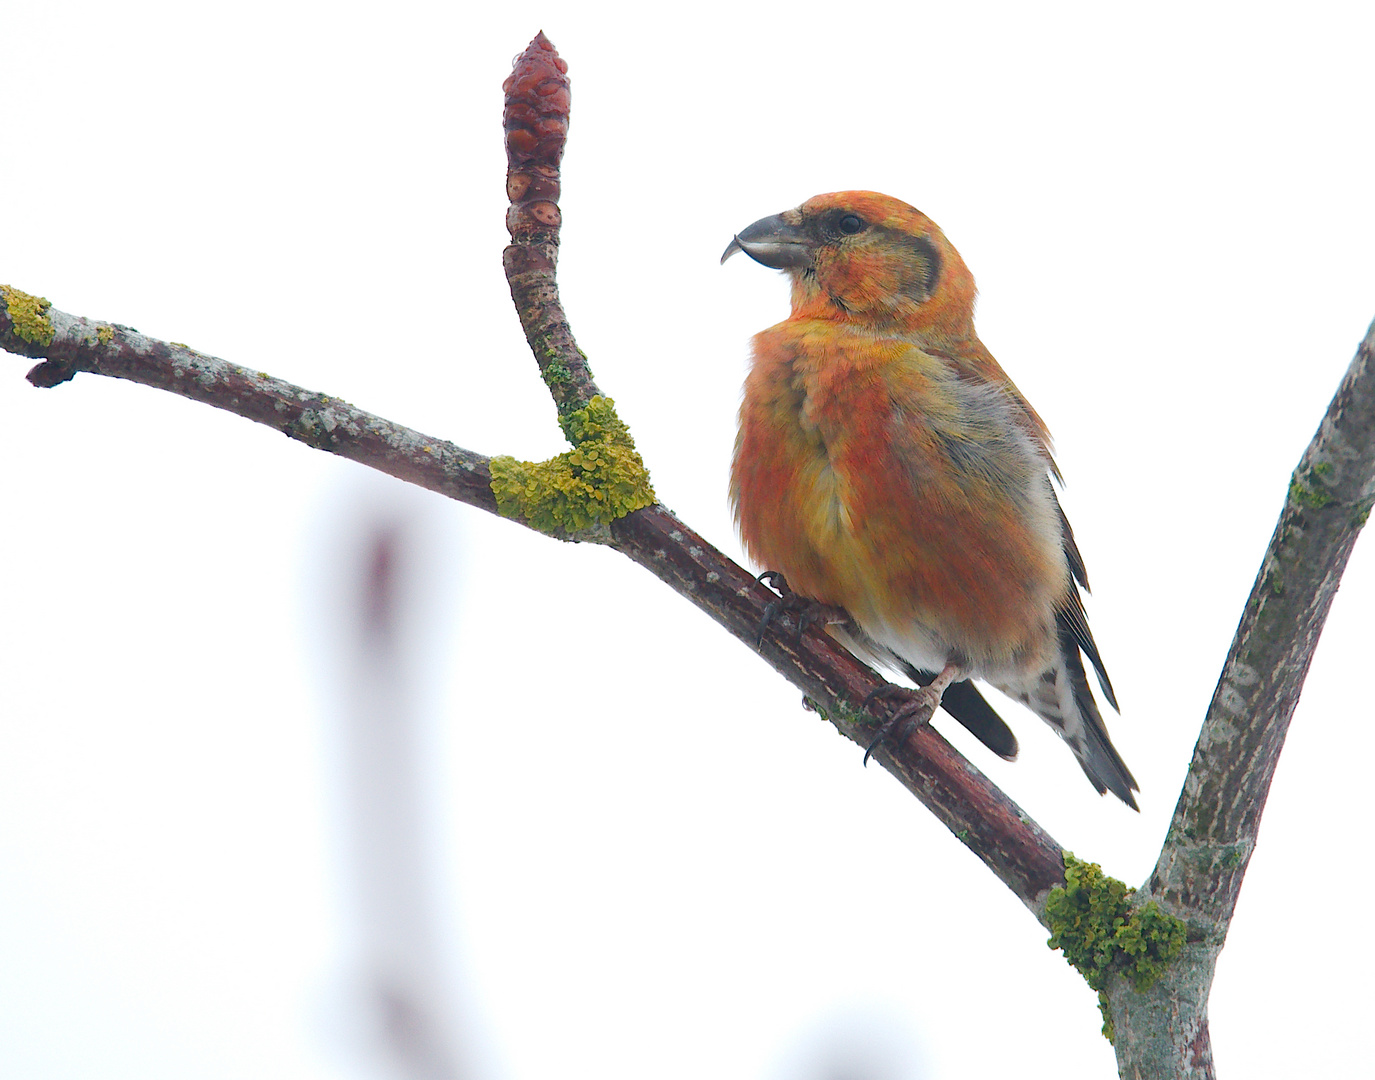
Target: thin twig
326 423
536 122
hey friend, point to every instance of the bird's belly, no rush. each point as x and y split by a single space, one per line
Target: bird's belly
948 594
932 576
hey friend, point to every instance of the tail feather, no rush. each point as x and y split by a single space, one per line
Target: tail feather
1060 695
1099 759
963 701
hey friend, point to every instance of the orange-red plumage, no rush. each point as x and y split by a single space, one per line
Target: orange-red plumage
886 465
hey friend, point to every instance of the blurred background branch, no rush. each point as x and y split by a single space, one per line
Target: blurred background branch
388 805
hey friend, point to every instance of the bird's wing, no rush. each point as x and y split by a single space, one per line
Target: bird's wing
1072 619
1071 612
1076 561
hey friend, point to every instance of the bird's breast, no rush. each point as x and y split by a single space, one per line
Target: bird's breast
883 479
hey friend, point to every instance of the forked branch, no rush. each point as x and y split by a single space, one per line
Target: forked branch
1214 829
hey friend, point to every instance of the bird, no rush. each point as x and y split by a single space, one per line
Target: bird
886 466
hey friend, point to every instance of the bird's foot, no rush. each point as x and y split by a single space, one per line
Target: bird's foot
912 709
803 610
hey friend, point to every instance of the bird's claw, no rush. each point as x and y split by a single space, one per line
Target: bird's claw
804 610
912 709
775 581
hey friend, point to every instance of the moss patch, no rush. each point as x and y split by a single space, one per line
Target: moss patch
1093 923
29 315
601 479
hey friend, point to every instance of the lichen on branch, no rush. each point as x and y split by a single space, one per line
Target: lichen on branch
601 479
29 315
1093 923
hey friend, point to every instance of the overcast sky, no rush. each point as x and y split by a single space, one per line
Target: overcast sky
654 862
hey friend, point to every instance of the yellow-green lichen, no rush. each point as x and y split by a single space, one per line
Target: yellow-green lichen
555 374
1304 490
601 479
29 316
1093 923
104 333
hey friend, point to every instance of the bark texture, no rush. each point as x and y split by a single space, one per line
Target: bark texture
77 345
536 113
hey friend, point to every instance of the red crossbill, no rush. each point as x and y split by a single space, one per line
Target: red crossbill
886 465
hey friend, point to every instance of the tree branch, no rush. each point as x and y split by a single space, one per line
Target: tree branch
1164 1032
1213 832
1022 854
990 824
70 344
536 121
983 818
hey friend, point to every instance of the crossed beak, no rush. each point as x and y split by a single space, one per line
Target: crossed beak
774 243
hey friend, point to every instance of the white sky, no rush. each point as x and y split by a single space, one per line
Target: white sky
657 863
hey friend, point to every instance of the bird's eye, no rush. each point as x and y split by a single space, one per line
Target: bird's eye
851 224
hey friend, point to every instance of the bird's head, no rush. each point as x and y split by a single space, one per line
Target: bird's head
866 257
